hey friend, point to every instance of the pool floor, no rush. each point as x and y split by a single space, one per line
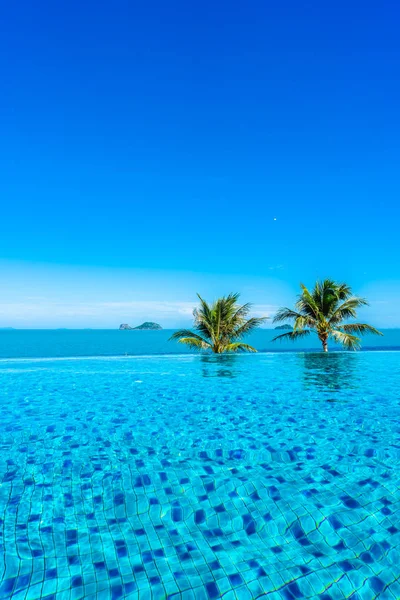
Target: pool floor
188 477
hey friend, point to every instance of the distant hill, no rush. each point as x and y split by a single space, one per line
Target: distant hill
288 327
149 325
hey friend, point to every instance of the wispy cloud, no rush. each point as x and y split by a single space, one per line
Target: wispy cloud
42 311
264 310
43 306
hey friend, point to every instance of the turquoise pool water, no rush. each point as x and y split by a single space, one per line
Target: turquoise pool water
198 477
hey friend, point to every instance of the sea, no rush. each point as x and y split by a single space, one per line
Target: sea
129 471
47 343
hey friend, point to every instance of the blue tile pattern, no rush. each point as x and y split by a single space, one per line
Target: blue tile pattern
201 477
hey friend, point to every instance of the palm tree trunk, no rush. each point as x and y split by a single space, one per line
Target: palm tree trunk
324 340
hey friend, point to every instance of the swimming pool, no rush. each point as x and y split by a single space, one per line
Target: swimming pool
201 477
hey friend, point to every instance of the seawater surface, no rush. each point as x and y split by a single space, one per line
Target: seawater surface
36 343
201 477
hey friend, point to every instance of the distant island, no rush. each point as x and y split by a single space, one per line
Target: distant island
288 327
147 325
7 328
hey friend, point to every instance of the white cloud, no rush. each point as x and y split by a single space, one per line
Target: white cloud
43 306
39 311
263 310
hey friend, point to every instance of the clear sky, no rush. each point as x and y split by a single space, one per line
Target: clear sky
152 150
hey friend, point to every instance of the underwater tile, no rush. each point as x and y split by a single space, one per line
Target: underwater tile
192 486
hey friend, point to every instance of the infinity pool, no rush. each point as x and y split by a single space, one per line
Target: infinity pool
200 478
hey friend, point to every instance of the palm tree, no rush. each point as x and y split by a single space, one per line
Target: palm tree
220 326
323 311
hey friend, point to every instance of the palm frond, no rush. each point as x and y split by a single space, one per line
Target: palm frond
347 310
203 319
285 314
248 326
351 342
239 347
304 322
293 335
203 314
360 328
187 334
204 329
343 291
324 295
329 297
239 316
228 314
328 293
232 298
306 303
194 342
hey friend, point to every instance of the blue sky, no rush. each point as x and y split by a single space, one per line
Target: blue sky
147 150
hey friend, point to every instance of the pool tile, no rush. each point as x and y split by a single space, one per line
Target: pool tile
267 476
